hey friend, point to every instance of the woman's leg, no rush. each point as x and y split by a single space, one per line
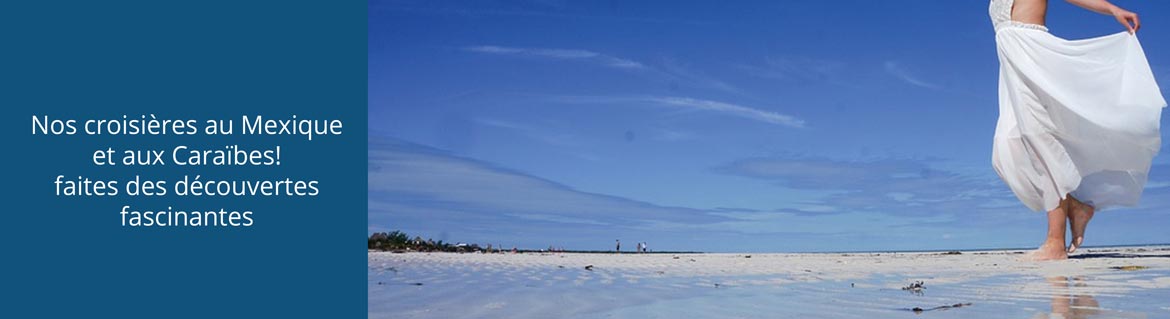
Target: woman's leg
1053 247
1079 215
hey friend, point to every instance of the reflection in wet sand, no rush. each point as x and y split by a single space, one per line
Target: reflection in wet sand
1127 282
1070 300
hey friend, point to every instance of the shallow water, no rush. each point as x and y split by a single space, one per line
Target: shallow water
458 287
992 298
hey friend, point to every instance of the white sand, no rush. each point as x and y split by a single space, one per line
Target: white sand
731 285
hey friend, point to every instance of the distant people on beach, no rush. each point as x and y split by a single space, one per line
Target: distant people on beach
618 249
641 247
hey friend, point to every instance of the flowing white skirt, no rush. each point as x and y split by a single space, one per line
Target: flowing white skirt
1077 117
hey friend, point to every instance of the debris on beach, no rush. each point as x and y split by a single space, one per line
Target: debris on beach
408 283
716 285
561 266
953 252
675 257
943 307
589 268
1129 268
748 256
916 286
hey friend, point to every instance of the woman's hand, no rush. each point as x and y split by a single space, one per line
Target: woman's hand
1127 19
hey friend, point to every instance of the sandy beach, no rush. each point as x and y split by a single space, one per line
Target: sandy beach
1129 282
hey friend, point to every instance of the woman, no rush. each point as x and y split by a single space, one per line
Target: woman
1078 120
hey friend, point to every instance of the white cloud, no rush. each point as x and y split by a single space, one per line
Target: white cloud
558 219
504 124
675 70
669 70
795 68
731 109
895 69
429 182
904 187
559 54
692 104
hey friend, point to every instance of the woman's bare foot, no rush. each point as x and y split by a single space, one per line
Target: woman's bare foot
1053 247
1050 250
1079 215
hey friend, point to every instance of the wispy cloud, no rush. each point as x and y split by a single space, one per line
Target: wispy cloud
730 109
794 68
896 186
894 68
521 10
669 70
417 181
677 71
569 144
504 124
432 192
559 54
687 103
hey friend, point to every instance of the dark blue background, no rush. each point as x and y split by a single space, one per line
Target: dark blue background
66 256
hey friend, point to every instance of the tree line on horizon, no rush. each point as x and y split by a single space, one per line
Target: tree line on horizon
400 241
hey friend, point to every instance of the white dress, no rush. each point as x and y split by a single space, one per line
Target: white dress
1077 117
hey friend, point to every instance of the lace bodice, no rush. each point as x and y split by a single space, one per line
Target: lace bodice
1001 16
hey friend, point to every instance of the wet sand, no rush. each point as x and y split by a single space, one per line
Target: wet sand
1130 282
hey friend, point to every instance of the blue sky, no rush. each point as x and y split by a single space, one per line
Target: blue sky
758 126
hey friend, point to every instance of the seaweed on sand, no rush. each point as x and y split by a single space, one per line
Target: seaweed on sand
915 286
943 307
